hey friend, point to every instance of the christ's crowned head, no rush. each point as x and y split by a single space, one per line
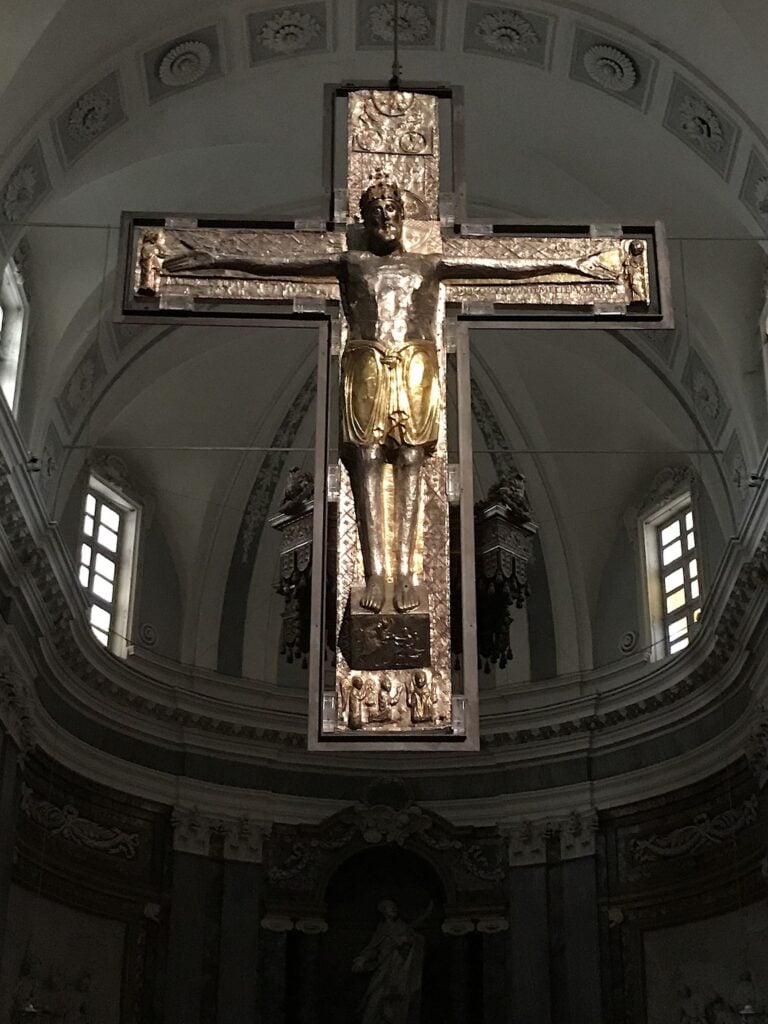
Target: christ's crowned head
381 207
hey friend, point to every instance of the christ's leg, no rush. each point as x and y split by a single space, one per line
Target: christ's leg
407 468
365 465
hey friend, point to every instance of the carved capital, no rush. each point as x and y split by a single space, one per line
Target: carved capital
575 832
243 837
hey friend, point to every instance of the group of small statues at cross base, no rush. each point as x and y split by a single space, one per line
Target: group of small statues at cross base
369 701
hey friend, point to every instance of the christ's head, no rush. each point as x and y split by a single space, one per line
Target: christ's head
381 207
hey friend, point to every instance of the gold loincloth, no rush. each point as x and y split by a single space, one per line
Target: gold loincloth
390 396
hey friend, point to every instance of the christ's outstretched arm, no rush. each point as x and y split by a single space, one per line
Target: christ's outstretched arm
595 267
286 267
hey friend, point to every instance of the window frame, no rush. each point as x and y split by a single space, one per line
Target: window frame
674 508
121 607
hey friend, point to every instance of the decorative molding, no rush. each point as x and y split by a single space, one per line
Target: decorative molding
90 115
181 63
702 832
708 131
414 23
528 839
69 824
184 63
25 186
757 748
506 31
289 32
610 67
17 707
243 838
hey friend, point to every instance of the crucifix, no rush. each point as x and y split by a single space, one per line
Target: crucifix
392 264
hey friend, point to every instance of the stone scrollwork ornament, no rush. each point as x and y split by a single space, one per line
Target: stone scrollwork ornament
71 825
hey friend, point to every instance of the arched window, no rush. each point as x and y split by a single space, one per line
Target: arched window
13 325
673 572
107 561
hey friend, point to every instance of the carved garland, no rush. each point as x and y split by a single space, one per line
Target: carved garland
69 824
703 831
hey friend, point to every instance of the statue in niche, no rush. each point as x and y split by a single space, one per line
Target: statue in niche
394 956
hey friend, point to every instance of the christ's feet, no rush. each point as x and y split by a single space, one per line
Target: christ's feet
373 598
405 597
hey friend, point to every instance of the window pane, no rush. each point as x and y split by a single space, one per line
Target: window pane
689 520
109 517
677 629
678 645
693 568
671 553
694 589
84 575
105 566
673 581
88 526
100 617
670 533
102 637
690 543
107 538
90 505
676 600
102 588
696 614
85 554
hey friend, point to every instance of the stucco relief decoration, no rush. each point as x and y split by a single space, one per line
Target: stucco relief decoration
610 67
702 832
289 32
68 823
761 194
705 394
701 124
506 31
20 192
16 709
739 473
414 24
757 749
80 387
89 115
184 63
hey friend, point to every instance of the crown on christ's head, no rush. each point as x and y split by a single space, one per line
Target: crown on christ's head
382 186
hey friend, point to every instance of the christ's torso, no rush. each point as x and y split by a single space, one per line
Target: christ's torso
391 299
